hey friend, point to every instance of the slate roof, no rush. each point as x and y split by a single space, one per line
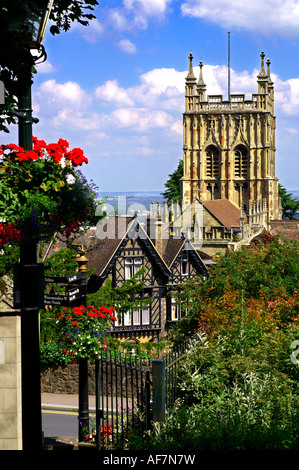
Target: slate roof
100 252
103 250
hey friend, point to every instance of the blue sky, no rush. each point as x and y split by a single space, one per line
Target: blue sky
116 87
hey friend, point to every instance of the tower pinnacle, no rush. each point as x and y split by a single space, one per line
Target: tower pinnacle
262 70
190 75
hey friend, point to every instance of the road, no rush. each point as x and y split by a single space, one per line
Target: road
60 423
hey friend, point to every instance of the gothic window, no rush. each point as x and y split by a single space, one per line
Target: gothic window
132 266
212 162
241 158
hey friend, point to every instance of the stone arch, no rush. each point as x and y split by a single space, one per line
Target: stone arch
241 157
212 160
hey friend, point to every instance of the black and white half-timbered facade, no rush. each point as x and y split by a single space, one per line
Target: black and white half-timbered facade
121 247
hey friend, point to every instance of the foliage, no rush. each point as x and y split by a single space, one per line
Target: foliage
124 298
43 189
231 401
9 256
173 185
243 281
52 355
18 27
239 387
290 206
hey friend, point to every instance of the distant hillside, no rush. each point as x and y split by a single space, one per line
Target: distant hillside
143 198
132 198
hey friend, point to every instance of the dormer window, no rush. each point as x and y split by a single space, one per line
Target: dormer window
132 266
185 267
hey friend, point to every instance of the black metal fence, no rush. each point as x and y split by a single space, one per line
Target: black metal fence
132 393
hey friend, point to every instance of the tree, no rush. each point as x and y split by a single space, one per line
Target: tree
173 184
290 206
18 25
258 279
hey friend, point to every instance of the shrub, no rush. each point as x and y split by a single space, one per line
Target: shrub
52 355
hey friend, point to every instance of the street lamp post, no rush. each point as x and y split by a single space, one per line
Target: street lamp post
29 275
83 409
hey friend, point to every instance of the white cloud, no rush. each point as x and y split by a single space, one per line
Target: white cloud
127 46
112 93
141 119
262 16
291 130
148 116
287 96
152 8
131 16
45 67
61 94
117 19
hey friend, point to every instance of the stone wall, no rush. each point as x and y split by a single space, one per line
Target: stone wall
65 379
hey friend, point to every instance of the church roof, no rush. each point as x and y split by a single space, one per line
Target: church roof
225 211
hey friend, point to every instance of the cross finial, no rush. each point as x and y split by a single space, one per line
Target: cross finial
190 73
262 71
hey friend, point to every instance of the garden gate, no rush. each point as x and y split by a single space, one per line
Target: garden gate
132 393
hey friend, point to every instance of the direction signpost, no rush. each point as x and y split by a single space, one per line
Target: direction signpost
75 292
74 283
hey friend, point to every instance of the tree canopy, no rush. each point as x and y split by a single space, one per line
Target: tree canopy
173 184
290 206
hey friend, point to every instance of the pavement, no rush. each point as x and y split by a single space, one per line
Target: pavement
64 402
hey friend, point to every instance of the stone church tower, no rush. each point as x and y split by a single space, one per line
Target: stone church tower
229 145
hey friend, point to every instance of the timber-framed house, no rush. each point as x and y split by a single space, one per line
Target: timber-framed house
119 255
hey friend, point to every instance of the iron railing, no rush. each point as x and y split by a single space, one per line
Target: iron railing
122 397
132 393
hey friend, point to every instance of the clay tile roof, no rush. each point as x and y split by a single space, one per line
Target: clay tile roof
286 228
226 212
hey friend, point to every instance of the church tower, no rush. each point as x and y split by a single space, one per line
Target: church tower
229 145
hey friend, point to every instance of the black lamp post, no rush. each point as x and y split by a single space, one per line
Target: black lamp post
28 279
83 410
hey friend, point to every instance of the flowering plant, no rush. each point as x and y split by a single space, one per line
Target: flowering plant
43 189
84 331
